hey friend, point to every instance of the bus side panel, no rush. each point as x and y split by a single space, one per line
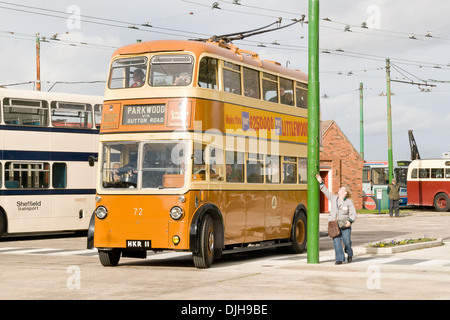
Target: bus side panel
422 193
27 213
234 212
273 214
254 225
71 212
292 198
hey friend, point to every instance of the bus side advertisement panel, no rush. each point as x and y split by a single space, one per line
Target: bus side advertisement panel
265 124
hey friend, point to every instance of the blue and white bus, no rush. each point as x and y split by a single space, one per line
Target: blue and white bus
46 181
376 177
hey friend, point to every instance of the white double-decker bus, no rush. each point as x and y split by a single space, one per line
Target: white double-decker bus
46 181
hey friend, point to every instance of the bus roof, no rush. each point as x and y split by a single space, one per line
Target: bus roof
437 163
33 94
228 51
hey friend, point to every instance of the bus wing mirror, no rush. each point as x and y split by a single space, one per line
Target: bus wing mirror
91 161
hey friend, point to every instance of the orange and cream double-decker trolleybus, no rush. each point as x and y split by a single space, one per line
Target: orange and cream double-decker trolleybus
202 149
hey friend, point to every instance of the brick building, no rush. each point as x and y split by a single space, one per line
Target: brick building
340 164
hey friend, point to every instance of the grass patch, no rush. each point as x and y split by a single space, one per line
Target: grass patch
384 211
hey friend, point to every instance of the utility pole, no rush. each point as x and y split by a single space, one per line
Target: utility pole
389 120
313 133
361 121
38 63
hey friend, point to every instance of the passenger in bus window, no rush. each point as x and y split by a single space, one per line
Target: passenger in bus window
233 175
289 174
183 79
286 97
138 78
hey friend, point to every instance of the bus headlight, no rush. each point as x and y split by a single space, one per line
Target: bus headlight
101 212
176 213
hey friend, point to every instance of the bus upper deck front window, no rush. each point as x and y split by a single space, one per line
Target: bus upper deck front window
171 70
156 165
128 73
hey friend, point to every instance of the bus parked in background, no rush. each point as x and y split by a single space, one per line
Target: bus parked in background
376 177
429 183
46 182
202 149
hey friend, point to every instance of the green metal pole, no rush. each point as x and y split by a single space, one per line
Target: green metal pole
313 132
389 120
361 121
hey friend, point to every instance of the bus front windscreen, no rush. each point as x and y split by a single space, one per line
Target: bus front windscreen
144 165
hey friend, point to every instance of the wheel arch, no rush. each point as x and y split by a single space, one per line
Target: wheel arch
301 208
219 231
4 218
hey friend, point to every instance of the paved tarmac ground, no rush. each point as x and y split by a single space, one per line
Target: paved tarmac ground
61 268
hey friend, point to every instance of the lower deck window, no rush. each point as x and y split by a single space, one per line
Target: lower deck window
27 175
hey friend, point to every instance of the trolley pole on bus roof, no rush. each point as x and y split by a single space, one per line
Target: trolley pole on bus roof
313 132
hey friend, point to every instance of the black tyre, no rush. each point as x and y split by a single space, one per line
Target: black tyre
2 223
204 257
109 258
441 202
298 234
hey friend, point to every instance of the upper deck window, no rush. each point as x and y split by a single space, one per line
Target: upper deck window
207 76
25 112
71 115
171 70
270 87
231 77
301 92
128 73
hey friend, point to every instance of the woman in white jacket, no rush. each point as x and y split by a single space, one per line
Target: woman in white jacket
343 209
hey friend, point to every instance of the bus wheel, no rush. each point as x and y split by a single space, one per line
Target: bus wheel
109 258
2 223
204 257
441 202
298 234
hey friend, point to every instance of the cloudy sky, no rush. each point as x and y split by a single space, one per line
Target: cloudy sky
413 34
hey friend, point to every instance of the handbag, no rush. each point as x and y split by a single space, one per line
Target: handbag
333 229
